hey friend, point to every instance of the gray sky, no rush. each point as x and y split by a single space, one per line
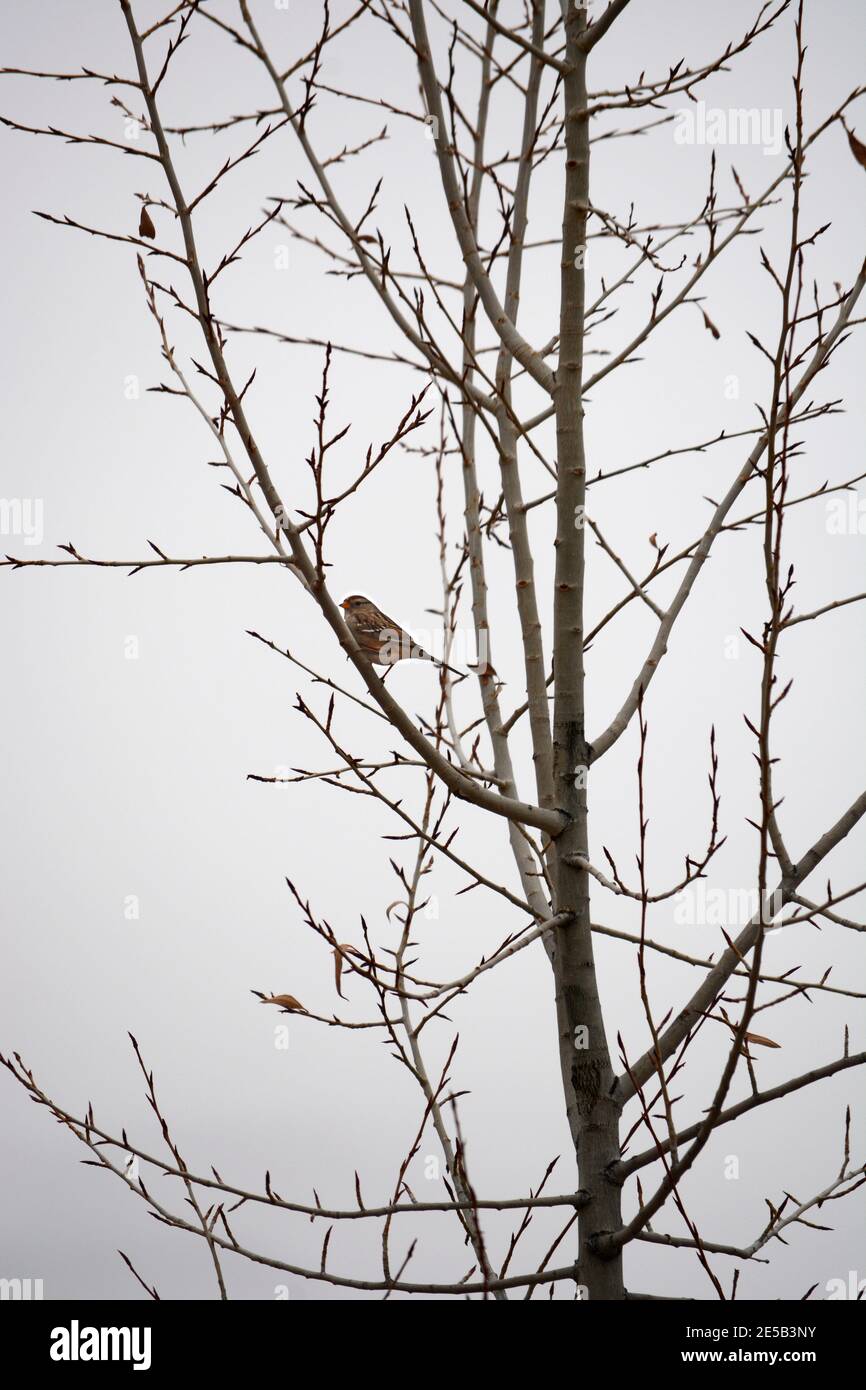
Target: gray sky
126 778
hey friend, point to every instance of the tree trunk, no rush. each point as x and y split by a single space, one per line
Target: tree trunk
585 1061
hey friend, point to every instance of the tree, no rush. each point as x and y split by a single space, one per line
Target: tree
506 411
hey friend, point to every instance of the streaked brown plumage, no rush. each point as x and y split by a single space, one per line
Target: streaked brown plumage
380 638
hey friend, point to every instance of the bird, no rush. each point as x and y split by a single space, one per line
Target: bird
382 640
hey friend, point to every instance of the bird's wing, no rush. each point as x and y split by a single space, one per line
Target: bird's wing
377 629
371 623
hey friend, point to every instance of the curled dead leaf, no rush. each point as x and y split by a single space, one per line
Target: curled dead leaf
341 950
145 224
709 325
287 1002
858 149
761 1041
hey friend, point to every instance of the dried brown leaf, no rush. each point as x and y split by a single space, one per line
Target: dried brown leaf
858 149
761 1041
340 950
287 1002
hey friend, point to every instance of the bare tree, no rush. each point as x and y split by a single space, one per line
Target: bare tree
475 399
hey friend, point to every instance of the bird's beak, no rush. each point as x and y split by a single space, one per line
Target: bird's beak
344 605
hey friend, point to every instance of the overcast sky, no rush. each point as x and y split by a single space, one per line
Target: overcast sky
144 875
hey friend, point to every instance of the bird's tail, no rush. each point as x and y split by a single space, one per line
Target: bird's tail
425 656
461 675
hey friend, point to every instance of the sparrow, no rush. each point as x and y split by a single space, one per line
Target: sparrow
380 638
